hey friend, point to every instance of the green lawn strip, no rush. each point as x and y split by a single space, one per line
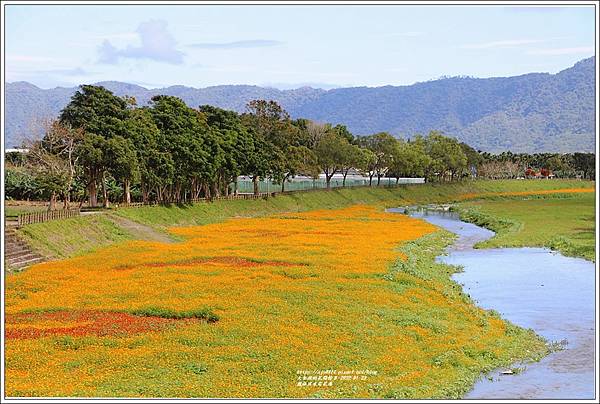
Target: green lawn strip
73 236
155 311
203 213
203 313
565 223
76 236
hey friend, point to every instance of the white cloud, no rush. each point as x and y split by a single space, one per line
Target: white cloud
28 59
409 34
156 44
248 43
563 51
129 36
509 43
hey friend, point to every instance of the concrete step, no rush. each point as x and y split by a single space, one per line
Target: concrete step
23 264
22 258
14 245
15 252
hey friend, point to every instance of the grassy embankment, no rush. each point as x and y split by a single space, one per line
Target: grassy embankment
561 222
77 236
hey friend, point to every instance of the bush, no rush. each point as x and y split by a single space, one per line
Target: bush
202 313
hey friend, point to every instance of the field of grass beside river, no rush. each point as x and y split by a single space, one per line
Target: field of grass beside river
566 223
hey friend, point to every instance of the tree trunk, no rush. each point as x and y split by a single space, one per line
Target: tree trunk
378 179
344 180
66 200
52 203
255 183
106 203
328 180
225 188
371 179
93 193
144 193
126 191
215 189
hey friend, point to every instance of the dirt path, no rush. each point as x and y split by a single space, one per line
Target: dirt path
140 231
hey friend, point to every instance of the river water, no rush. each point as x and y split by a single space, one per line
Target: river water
533 288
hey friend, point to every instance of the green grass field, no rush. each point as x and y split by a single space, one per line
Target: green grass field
73 236
566 224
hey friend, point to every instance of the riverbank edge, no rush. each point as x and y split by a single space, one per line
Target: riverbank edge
421 261
503 226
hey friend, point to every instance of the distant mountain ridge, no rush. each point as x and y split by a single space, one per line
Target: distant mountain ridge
535 112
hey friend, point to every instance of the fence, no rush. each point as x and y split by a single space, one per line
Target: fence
40 217
304 184
245 188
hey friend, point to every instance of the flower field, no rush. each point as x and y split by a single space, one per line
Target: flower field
249 307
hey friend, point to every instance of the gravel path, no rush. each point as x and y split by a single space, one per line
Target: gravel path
140 231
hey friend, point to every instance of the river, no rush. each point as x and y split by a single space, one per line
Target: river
534 288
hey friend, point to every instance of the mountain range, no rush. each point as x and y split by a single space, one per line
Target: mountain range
536 112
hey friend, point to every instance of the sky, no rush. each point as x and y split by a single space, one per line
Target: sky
287 46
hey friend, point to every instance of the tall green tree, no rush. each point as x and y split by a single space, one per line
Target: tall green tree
383 146
447 155
191 145
330 152
123 163
97 112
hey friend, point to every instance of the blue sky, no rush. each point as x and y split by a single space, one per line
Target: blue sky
288 46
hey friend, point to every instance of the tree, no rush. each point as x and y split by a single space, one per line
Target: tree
330 154
555 164
96 110
474 158
585 163
155 163
91 154
299 160
383 145
313 132
98 113
123 163
236 143
274 134
54 160
353 157
191 144
409 161
447 155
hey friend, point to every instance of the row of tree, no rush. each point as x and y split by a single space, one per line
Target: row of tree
106 145
517 165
